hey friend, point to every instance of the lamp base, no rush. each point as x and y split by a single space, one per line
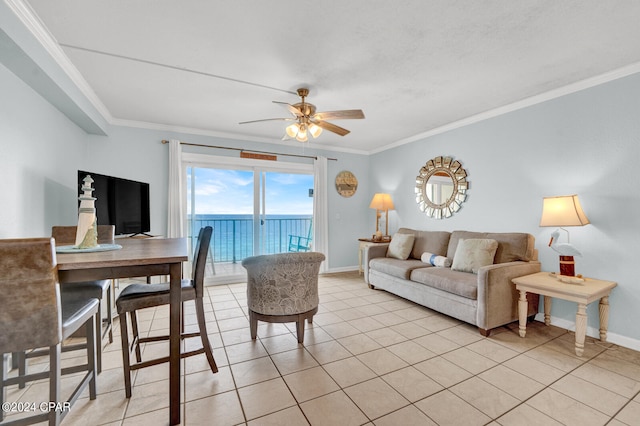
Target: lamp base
567 266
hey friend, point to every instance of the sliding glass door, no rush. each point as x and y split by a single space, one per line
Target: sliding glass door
253 209
286 214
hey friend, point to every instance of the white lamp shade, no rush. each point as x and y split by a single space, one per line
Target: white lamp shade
382 201
564 210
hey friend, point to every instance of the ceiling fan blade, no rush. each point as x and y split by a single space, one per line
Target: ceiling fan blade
330 127
293 110
268 119
339 115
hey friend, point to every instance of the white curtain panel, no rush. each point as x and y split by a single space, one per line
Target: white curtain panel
175 220
320 211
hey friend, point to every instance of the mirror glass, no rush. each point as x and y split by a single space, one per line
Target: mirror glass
441 187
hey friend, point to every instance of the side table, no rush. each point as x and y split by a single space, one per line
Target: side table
364 243
583 293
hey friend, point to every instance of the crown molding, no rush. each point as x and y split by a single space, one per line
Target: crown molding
527 102
232 136
36 27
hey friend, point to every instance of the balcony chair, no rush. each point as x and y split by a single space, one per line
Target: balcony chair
298 243
101 289
33 317
282 288
140 296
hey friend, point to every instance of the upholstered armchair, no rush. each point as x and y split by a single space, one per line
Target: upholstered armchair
282 288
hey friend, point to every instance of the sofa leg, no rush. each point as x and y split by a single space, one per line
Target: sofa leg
484 332
372 287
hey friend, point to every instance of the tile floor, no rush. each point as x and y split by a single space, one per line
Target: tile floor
370 358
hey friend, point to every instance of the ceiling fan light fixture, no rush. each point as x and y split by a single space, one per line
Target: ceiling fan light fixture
309 122
315 130
292 130
302 133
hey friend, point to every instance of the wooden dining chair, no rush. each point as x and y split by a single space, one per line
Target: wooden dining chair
101 289
34 317
139 296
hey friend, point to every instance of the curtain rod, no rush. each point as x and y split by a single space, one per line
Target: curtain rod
164 141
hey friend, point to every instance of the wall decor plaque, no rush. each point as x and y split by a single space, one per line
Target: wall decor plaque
346 183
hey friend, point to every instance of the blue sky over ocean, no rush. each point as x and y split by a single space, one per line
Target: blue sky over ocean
221 191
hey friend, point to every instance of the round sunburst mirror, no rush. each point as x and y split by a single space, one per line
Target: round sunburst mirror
441 187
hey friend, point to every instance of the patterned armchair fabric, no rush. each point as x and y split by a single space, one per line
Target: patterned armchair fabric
284 283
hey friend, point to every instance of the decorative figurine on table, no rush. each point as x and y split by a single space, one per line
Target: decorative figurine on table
566 251
87 232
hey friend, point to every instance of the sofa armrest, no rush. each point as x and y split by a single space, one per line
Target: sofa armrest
371 252
497 295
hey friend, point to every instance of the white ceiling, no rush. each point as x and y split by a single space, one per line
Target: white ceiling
411 66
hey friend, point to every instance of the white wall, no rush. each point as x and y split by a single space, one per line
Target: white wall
39 147
587 143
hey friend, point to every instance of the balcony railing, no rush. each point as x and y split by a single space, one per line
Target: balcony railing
233 237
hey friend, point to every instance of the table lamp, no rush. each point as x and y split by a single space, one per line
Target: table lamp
381 202
563 211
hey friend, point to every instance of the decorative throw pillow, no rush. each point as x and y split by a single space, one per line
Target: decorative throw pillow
400 246
472 254
435 260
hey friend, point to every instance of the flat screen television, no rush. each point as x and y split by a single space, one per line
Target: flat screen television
120 202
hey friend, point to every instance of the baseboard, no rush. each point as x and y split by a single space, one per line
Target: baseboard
343 269
225 279
614 338
241 278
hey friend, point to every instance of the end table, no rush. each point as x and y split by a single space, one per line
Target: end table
583 293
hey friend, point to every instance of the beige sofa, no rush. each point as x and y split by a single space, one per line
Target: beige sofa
486 298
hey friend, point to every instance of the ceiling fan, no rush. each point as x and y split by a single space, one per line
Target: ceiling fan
308 121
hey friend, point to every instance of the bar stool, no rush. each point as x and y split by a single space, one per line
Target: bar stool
33 316
101 289
140 296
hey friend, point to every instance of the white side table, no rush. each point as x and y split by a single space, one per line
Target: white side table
583 293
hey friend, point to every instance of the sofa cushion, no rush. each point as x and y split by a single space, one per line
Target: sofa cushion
463 284
395 267
473 254
400 246
512 246
435 242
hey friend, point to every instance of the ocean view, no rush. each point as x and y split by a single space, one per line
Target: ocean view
233 234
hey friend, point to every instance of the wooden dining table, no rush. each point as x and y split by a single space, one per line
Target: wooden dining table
139 257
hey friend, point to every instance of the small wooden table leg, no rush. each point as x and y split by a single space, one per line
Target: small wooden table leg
581 328
547 310
523 307
175 306
604 318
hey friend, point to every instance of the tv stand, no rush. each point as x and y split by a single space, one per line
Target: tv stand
141 235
